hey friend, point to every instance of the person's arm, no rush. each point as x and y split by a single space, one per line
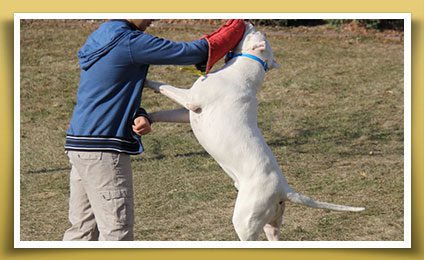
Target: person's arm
150 50
147 49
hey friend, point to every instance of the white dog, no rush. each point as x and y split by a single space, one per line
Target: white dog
223 116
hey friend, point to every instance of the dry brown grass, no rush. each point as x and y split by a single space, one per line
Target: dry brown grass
333 116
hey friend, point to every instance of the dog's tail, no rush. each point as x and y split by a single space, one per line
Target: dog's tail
304 200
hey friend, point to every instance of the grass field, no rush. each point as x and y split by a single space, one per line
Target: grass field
332 115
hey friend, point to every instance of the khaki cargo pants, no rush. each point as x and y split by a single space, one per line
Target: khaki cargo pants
101 203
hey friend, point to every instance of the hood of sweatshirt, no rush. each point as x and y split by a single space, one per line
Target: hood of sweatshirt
101 41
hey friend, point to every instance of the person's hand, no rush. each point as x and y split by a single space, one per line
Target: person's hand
141 126
222 41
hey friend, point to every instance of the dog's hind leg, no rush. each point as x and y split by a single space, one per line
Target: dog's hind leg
179 95
248 218
272 229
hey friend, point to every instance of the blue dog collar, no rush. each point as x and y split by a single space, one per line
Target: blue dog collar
231 55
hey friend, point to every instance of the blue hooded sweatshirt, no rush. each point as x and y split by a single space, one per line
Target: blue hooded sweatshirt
114 62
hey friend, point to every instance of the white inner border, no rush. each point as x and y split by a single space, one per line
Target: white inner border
217 244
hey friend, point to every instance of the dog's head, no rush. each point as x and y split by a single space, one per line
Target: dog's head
256 43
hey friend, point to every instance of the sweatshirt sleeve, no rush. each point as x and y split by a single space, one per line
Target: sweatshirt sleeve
142 112
150 50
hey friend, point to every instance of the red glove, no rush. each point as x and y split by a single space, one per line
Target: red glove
223 40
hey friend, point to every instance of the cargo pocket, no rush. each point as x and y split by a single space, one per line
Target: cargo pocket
119 206
89 156
85 158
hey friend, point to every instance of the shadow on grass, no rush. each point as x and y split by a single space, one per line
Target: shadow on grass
178 155
59 169
281 141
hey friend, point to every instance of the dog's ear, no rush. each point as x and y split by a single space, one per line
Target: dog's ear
250 27
260 46
274 64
